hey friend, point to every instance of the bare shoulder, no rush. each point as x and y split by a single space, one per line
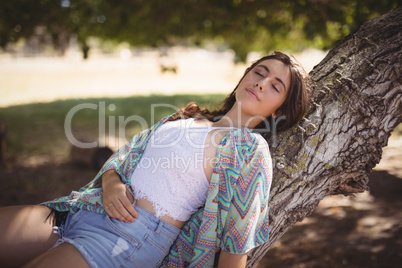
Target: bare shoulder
217 135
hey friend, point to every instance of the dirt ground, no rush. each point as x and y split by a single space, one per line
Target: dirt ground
362 231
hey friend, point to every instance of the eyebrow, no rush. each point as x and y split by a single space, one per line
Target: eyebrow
279 80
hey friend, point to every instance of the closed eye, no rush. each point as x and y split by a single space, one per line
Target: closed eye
260 74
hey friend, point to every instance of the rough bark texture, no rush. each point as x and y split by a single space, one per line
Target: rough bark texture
357 95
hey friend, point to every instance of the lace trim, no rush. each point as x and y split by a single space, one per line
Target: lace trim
158 209
172 177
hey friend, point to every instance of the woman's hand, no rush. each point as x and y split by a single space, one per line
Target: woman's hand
117 199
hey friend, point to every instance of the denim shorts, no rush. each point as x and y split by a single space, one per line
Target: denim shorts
107 242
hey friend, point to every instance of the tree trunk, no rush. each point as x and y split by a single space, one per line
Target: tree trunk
357 97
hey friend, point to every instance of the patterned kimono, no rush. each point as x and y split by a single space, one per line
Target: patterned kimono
235 216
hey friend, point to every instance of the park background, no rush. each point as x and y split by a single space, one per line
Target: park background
56 55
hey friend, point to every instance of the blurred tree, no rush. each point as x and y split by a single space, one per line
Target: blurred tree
242 25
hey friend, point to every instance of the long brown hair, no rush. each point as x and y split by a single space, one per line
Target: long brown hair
292 110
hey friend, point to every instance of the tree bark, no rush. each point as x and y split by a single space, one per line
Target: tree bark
357 97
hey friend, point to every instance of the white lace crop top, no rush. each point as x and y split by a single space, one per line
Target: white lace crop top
171 173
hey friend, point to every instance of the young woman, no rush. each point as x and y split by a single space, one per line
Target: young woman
195 183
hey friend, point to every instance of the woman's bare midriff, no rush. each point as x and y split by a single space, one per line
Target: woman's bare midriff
147 205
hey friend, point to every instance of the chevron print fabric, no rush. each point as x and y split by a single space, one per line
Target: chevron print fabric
235 216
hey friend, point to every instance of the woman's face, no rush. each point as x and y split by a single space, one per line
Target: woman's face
264 89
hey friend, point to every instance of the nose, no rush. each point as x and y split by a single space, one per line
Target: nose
263 83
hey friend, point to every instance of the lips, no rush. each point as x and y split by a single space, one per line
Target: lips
252 93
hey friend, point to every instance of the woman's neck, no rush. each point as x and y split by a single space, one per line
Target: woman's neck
234 118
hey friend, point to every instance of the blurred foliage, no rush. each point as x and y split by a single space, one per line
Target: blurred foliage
242 25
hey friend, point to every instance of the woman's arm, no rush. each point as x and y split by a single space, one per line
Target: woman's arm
246 223
228 260
117 199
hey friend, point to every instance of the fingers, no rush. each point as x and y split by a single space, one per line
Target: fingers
111 211
121 209
116 210
130 196
118 201
128 210
129 204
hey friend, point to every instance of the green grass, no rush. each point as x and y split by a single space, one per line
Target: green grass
38 129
